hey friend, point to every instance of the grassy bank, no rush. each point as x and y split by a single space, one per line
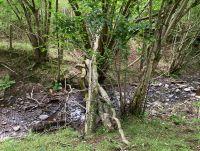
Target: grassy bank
154 135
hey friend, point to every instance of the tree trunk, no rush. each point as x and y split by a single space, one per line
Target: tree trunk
141 91
138 103
91 100
177 63
40 54
39 47
156 61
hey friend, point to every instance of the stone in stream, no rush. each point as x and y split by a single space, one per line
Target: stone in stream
156 84
153 112
157 103
167 100
193 94
3 123
181 85
16 128
171 96
166 86
43 117
188 89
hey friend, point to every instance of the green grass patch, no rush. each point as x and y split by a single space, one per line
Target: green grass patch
154 135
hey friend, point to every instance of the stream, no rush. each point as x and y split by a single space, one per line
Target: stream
19 114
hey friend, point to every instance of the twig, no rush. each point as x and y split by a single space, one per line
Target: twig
134 62
75 102
31 97
6 66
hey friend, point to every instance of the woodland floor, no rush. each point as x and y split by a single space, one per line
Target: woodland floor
171 114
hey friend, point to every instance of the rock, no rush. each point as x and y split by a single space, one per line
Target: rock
188 89
153 112
3 123
157 103
177 90
176 97
43 117
5 111
167 100
171 96
181 85
193 94
166 104
167 86
156 84
21 103
16 128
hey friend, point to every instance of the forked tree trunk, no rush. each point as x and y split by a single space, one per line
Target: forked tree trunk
174 12
164 24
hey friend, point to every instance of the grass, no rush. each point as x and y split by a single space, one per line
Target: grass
26 47
20 59
154 135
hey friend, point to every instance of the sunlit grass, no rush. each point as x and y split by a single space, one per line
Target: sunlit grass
154 135
4 45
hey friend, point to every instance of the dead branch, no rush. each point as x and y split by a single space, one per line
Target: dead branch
114 116
7 67
30 97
